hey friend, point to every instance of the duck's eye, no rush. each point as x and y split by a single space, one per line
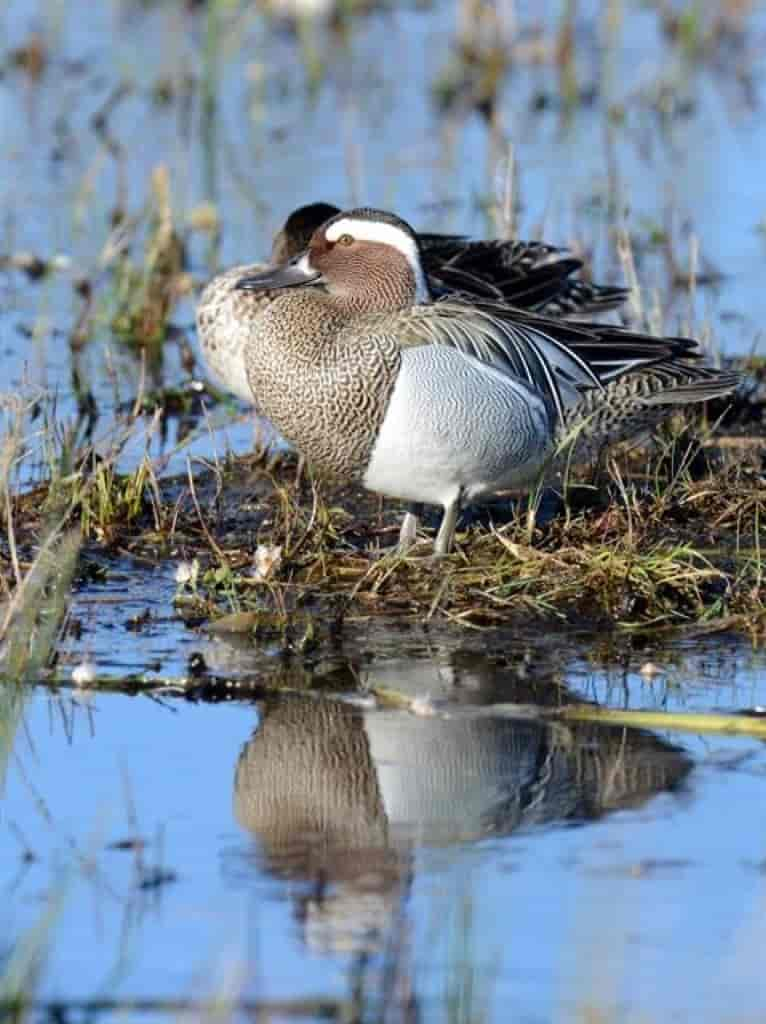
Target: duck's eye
346 240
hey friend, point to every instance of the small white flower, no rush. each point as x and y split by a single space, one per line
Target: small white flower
84 674
266 560
187 572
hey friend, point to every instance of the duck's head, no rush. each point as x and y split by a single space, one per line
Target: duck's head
368 258
296 233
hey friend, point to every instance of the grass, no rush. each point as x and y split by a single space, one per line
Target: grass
653 552
146 295
21 972
30 624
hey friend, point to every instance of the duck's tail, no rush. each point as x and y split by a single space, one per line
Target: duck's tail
635 403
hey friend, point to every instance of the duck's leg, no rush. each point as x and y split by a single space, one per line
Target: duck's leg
300 469
408 533
443 543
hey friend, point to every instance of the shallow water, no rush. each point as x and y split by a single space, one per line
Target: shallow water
309 849
308 844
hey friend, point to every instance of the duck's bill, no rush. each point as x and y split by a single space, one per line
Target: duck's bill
296 274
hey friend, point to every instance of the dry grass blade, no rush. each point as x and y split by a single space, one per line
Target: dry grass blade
730 725
36 610
23 968
691 722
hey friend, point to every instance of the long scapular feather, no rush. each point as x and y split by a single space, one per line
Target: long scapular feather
529 275
702 388
521 347
558 359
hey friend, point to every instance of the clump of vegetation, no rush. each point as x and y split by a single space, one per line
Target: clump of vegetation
648 551
146 295
477 67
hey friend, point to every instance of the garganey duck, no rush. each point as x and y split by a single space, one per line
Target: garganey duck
529 275
443 402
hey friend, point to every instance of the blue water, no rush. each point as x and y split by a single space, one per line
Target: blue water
647 905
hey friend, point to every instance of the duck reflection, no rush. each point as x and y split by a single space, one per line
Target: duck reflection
339 797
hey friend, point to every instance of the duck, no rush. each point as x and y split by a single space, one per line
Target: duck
528 274
444 402
224 314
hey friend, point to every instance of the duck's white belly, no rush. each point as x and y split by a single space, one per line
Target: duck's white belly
457 426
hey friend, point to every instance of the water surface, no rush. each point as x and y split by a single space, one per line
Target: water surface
297 845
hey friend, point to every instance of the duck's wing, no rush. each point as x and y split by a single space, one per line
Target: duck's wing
558 359
514 255
527 274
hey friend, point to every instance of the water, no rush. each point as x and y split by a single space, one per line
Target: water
303 839
309 852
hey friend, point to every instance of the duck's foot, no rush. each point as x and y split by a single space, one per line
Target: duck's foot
446 534
408 534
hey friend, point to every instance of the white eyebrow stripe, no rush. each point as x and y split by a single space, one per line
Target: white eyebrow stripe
387 234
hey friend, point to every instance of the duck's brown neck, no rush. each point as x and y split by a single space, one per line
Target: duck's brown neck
372 297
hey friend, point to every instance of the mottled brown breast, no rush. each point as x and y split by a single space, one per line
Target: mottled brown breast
222 308
324 388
